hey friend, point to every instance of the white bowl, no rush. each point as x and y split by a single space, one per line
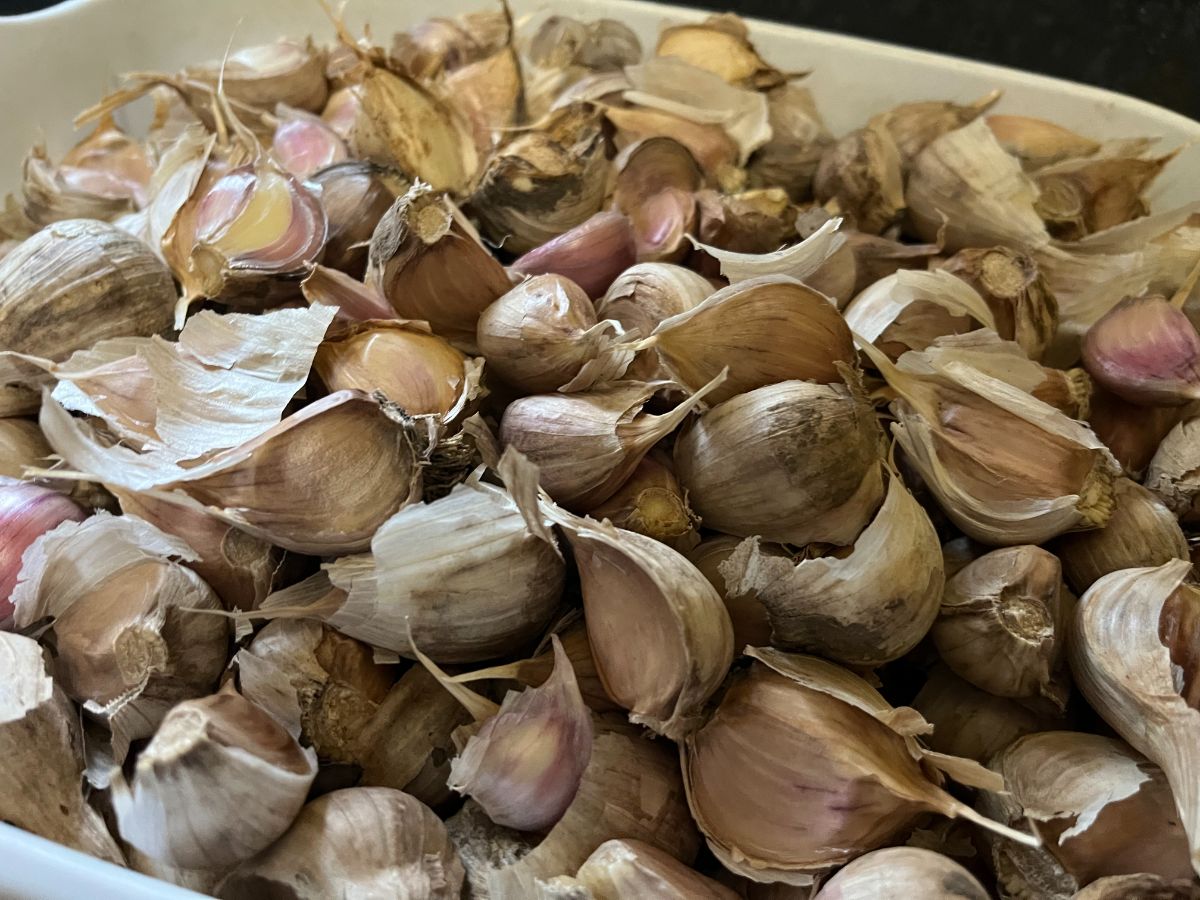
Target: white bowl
61 60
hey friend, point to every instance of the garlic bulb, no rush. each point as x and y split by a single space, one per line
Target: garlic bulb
914 125
1132 653
621 869
1100 808
355 196
282 72
586 445
219 781
1142 532
27 511
804 766
544 335
751 624
1132 432
635 588
655 187
39 733
1139 887
798 140
1078 197
78 282
357 841
1172 473
592 254
830 482
899 873
1036 142
304 144
861 177
651 502
796 332
866 607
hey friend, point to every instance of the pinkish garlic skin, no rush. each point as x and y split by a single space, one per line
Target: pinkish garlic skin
304 145
27 511
592 254
1145 351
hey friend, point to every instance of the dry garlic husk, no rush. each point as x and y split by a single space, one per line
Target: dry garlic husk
751 624
360 841
801 261
965 191
713 149
1133 652
1022 307
355 195
585 445
631 789
1078 197
78 282
593 254
304 144
21 445
1174 470
1142 532
440 45
543 335
804 766
799 138
123 617
219 781
418 371
796 332
753 221
489 94
1046 474
878 257
910 310
635 588
27 511
427 260
543 182
830 482
914 125
1131 431
864 606
1100 809
1036 142
483 846
901 873
652 502
285 72
969 722
322 686
1003 621
721 45
354 301
861 177
43 755
1139 887
656 183
625 869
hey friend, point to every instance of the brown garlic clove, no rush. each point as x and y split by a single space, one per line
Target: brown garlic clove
652 502
219 781
1002 624
39 732
804 766
355 196
751 625
863 606
655 187
304 144
861 177
798 140
283 72
620 869
354 301
1141 532
876 257
713 149
913 126
1139 887
1132 432
27 511
372 841
593 254
489 94
898 873
721 45
1036 142
829 486
1172 473
1079 197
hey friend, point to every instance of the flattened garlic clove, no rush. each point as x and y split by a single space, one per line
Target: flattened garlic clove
27 511
622 869
1145 350
652 502
267 74
1172 473
656 182
368 841
1036 142
913 126
355 196
861 177
898 873
593 254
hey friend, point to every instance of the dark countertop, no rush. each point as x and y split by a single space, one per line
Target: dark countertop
1146 48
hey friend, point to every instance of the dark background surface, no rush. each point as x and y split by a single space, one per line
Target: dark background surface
1147 48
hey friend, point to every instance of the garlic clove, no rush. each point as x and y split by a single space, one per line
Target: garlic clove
21 445
876 257
913 126
303 144
355 196
354 301
1078 197
753 221
39 732
282 72
655 187
368 841
861 177
1172 473
652 502
561 42
898 873
1132 432
864 607
1036 142
439 44
593 254
1138 887
831 482
713 149
620 869
489 94
721 45
751 624
798 139
27 511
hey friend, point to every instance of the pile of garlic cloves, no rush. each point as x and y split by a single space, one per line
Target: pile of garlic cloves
507 461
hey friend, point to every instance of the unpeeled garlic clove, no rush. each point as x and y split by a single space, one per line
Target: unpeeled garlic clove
39 732
898 873
1003 621
27 511
304 144
1036 142
282 72
754 221
635 590
1132 432
798 140
1078 197
1139 887
913 126
861 177
712 148
1142 532
373 841
489 94
21 445
877 257
440 44
593 254
1133 652
652 502
804 766
655 187
623 869
831 482
751 624
864 606
1172 473
721 45
355 196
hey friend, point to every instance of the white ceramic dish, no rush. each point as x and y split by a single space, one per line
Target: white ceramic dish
61 60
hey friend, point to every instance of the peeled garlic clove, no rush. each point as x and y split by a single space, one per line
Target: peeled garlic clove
1132 432
1036 142
592 254
1100 808
353 300
713 149
78 282
304 144
721 45
830 483
804 766
1142 532
635 588
651 502
1002 624
544 335
798 140
898 873
622 869
355 195
369 841
861 177
914 125
655 186
283 72
1138 887
427 260
1146 351
751 625
1082 196
865 606
798 334
1172 473
27 511
39 732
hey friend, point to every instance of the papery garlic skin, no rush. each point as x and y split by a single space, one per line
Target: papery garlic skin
621 869
21 444
751 624
1037 142
900 873
861 176
266 74
1172 470
27 511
